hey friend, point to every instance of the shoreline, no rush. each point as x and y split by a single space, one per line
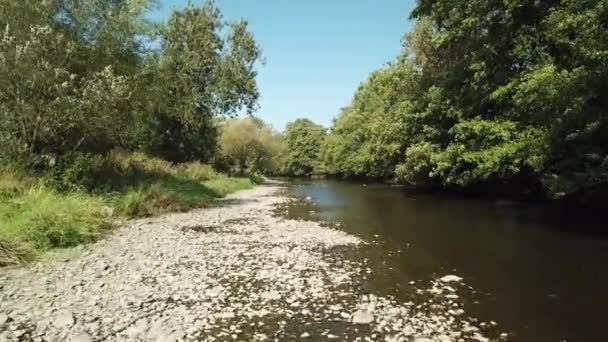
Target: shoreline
233 272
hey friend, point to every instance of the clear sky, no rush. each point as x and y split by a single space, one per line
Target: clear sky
317 51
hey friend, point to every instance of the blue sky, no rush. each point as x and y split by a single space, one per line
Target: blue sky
316 51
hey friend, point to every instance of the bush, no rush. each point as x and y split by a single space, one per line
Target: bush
148 201
140 163
13 183
197 172
82 172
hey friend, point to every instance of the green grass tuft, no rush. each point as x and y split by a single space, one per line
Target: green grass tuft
224 185
35 216
41 219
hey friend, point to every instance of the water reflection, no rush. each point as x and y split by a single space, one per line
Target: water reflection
537 271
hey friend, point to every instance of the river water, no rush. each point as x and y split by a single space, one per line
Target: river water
540 272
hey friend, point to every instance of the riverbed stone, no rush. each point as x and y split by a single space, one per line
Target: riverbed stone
450 278
83 337
64 319
363 317
422 339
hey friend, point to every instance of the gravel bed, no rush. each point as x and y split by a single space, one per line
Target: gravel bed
236 272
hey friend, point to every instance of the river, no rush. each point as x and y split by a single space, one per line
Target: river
539 272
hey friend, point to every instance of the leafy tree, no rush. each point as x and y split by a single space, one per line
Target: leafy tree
251 146
204 76
77 78
486 93
304 140
55 95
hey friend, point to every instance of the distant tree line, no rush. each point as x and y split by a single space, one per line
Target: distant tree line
487 95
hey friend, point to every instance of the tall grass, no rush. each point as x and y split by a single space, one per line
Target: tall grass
74 204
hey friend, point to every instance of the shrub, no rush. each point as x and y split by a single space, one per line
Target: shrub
137 162
82 171
148 201
197 172
13 183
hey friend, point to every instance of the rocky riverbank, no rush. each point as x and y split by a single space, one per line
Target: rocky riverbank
237 272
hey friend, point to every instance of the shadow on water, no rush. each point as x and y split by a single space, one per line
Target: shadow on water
538 270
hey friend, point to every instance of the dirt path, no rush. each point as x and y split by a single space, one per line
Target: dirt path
232 273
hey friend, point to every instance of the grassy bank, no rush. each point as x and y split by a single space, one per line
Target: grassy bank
77 203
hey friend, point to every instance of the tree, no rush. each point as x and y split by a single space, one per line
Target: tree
251 146
58 94
204 76
304 140
486 93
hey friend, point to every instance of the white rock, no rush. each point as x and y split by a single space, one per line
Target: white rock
64 319
271 295
458 312
82 338
363 317
305 335
422 339
444 338
450 278
213 292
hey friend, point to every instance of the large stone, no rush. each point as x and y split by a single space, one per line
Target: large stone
450 278
213 292
64 319
271 295
422 339
81 338
363 317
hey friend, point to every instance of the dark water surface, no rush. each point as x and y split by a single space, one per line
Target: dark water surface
541 273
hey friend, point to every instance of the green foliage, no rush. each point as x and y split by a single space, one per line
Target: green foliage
202 75
489 151
41 218
34 216
76 78
418 165
486 93
369 136
90 93
250 146
304 140
197 172
223 186
57 93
